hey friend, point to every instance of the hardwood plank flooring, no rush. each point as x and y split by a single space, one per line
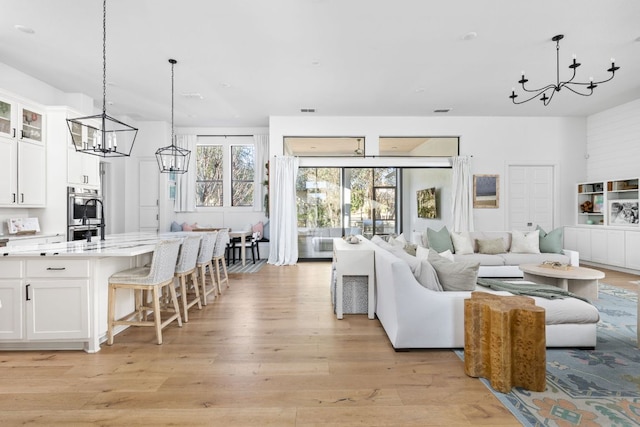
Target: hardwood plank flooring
269 352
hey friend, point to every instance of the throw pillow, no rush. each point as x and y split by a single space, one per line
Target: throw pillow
447 255
186 227
423 253
522 243
461 243
491 246
428 276
439 241
396 241
258 228
414 263
411 249
454 276
175 226
551 242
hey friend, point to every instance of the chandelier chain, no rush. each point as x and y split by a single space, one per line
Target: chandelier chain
104 56
172 75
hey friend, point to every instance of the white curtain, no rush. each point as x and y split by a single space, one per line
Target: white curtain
262 157
283 247
186 182
462 206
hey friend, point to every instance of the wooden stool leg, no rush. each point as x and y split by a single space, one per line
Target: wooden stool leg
183 297
194 281
111 314
156 313
174 299
213 280
203 282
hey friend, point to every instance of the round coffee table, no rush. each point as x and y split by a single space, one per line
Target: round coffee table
581 281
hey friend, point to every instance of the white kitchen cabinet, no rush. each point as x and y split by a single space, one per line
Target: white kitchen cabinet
11 297
22 156
616 248
583 243
57 309
83 169
570 238
44 300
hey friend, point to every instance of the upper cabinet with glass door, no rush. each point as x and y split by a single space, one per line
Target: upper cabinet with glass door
21 121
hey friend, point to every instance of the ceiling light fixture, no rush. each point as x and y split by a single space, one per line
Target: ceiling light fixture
102 135
173 159
358 151
569 84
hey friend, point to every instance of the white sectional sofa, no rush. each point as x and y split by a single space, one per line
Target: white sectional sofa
416 317
504 264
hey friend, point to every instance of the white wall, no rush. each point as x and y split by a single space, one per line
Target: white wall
494 143
420 179
613 143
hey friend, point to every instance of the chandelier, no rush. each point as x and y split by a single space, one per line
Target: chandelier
580 88
102 135
173 159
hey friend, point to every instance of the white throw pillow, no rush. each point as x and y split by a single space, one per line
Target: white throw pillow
398 241
423 253
462 243
446 254
528 243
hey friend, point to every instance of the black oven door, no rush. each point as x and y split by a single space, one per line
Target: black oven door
80 233
80 205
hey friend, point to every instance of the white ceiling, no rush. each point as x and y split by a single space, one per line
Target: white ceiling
250 59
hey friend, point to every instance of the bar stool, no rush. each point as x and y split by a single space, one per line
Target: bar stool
218 257
207 244
141 280
186 267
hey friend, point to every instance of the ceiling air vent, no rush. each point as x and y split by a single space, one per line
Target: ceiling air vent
307 110
442 110
192 95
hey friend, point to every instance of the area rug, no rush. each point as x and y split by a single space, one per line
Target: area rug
599 387
249 267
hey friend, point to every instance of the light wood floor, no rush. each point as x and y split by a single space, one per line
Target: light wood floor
269 352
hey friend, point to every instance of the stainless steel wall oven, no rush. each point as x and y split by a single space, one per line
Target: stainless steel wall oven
76 208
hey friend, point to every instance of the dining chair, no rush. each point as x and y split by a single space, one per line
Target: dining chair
251 244
153 278
219 257
186 267
204 262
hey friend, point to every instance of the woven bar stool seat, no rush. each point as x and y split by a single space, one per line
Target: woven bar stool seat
204 262
186 267
144 280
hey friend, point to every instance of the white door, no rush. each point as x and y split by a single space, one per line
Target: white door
531 197
149 199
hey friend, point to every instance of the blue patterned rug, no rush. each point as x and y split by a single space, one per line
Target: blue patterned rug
249 266
599 387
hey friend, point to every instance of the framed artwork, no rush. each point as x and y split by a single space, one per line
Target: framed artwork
623 212
427 207
486 191
598 203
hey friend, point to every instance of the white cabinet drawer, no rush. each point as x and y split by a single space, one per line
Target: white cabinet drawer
10 269
57 268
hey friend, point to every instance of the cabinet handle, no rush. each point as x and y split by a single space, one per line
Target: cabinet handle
21 134
21 197
56 268
14 132
14 197
28 298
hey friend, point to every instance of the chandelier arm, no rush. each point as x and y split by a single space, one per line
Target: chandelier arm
580 93
546 101
535 95
538 91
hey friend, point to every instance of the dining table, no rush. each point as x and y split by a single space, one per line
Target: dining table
242 234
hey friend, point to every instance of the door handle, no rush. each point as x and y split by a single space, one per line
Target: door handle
28 298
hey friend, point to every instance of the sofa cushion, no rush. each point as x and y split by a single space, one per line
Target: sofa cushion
440 241
428 277
517 259
461 243
483 259
490 246
522 243
550 242
454 276
488 235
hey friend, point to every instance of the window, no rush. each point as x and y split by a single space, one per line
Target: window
242 175
209 183
225 171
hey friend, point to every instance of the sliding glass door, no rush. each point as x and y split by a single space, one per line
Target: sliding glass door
333 202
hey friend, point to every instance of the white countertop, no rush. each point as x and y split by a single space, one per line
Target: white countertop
114 245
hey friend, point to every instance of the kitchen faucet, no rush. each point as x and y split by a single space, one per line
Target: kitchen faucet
84 218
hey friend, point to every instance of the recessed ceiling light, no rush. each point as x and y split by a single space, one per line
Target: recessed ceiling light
315 63
420 90
442 110
225 84
24 29
470 35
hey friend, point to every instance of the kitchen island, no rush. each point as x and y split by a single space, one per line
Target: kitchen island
55 296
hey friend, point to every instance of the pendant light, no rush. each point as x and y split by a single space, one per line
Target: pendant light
173 159
102 135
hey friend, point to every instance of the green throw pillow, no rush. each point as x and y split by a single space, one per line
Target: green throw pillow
440 241
551 242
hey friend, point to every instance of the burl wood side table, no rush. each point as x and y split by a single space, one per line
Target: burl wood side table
504 341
